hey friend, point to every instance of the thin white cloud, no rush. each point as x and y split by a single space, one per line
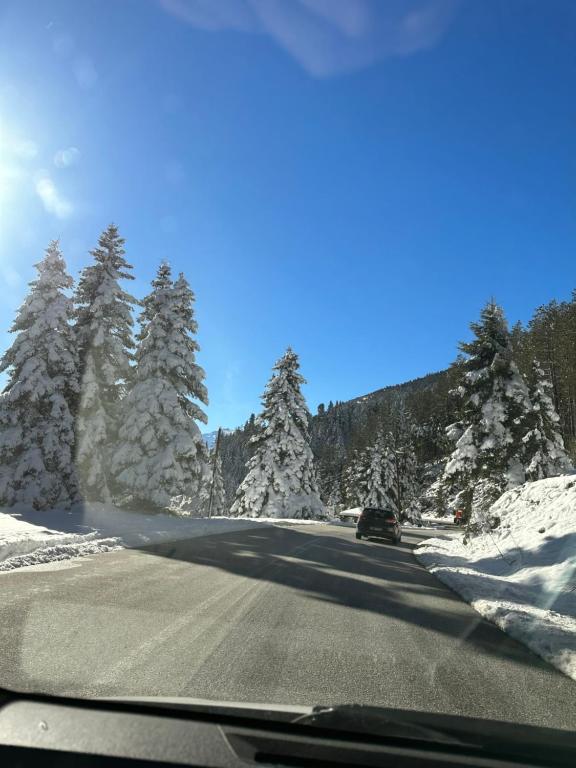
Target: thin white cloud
211 15
351 18
328 37
54 202
64 158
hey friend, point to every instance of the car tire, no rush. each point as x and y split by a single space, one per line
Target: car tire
358 535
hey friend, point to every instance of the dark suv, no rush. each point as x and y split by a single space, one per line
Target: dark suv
381 523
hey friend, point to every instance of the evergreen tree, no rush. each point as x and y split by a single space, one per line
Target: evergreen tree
235 452
377 484
404 471
217 490
161 453
281 480
353 480
105 343
401 455
334 502
495 412
36 423
544 448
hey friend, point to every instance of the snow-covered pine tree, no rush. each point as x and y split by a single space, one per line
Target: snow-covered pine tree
404 469
495 413
345 486
216 487
353 477
36 423
402 454
377 488
161 453
281 479
105 343
334 503
544 455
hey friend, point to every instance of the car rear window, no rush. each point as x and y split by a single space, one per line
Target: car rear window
376 513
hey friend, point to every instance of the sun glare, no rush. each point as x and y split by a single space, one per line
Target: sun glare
18 158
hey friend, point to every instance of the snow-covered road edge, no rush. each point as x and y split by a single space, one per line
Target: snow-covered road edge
97 528
550 635
67 550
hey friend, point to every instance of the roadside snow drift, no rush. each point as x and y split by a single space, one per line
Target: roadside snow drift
522 575
87 529
23 543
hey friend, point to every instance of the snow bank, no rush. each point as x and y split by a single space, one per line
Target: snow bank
88 529
286 521
24 543
134 528
522 575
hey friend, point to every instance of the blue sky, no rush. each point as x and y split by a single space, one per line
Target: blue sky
351 177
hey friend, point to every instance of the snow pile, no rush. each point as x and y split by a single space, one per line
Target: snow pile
285 521
353 513
134 528
23 543
521 575
88 529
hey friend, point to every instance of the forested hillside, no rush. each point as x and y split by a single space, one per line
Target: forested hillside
424 407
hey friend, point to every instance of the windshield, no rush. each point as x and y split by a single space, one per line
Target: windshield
269 269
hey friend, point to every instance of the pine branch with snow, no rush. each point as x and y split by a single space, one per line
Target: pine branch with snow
36 423
281 480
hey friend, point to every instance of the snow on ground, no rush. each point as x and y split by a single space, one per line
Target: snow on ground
284 521
91 528
522 575
24 543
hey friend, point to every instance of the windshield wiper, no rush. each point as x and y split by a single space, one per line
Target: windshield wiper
358 718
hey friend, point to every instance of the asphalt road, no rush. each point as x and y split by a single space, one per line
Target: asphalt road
298 615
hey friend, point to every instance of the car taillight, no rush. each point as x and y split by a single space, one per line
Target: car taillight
390 520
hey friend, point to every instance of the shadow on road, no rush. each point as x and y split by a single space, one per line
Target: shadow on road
72 629
370 576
